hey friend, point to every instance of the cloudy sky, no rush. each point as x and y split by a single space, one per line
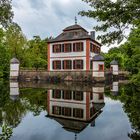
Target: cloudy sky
49 17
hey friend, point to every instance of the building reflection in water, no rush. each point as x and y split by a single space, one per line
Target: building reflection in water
74 110
115 88
14 90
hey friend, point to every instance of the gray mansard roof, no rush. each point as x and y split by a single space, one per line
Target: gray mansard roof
74 32
14 61
98 57
114 62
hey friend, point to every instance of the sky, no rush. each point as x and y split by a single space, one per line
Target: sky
49 17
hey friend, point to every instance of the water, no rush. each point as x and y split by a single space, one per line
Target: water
69 111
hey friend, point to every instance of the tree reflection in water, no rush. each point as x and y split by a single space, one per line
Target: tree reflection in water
129 95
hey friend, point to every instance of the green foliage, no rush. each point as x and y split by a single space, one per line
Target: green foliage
35 100
4 56
136 79
128 55
16 41
129 96
115 17
6 132
6 13
13 43
115 53
36 53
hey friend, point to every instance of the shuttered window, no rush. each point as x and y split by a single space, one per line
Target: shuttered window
67 94
56 110
78 113
57 64
66 111
94 48
66 47
56 48
78 95
78 64
67 64
56 94
78 46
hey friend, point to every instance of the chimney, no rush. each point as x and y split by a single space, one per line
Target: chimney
92 35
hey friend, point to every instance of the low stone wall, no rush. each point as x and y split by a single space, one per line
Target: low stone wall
74 86
54 76
30 75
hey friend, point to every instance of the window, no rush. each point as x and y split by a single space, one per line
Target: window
101 96
98 50
78 47
67 94
66 47
56 110
78 95
56 94
67 64
78 64
57 64
66 111
101 67
92 49
92 111
57 48
91 95
78 113
91 64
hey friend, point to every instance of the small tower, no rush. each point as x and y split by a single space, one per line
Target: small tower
98 93
115 88
114 67
98 67
14 90
14 69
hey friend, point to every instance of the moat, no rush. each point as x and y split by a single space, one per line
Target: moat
49 111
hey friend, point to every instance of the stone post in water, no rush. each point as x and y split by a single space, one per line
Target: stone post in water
14 69
14 90
114 69
115 88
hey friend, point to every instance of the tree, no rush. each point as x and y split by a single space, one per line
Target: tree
4 56
6 13
36 53
15 40
115 17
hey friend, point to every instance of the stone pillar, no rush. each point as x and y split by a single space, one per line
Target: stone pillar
115 88
98 93
14 90
14 69
114 68
98 68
